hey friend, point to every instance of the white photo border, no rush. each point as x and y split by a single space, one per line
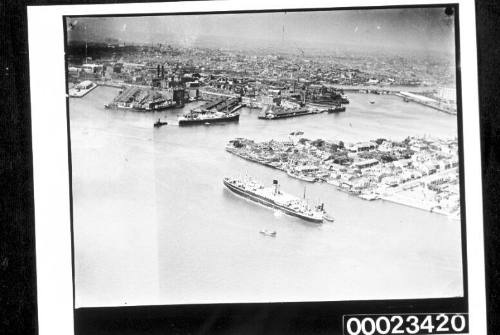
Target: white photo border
51 170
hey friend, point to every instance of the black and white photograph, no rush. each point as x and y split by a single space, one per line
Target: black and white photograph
260 155
265 157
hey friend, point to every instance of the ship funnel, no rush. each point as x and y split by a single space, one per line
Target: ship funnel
275 183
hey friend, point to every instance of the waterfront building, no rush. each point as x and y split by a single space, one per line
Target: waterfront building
365 146
365 163
91 68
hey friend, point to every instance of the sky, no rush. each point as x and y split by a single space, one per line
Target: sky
397 29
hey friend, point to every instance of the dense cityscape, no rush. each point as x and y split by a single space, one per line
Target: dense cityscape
257 75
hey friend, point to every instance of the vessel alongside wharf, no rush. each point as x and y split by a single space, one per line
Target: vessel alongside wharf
336 109
273 112
207 118
288 109
220 110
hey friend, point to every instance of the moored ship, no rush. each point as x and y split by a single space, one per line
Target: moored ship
327 97
207 118
336 109
273 112
223 110
274 198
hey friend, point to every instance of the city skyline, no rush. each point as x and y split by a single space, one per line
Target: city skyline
402 29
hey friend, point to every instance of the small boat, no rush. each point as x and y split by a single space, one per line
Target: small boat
159 123
270 233
301 176
207 123
372 101
368 196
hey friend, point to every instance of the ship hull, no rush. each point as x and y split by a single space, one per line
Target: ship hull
336 110
159 124
113 106
238 107
269 203
191 122
303 178
287 115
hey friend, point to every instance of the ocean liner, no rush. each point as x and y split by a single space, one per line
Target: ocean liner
272 112
222 110
207 118
273 197
285 109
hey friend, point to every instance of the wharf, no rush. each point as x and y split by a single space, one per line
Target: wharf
82 89
426 102
219 104
410 202
269 113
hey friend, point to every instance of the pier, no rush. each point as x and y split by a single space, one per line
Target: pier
82 89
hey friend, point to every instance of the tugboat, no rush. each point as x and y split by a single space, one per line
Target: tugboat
160 123
274 198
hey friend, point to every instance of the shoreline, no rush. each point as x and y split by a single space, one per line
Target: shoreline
413 204
370 195
374 90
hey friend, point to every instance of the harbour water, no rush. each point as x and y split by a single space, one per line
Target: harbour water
153 223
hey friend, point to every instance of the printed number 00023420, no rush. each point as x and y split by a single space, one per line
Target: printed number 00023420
436 323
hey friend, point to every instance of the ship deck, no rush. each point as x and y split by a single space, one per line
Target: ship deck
280 198
287 203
